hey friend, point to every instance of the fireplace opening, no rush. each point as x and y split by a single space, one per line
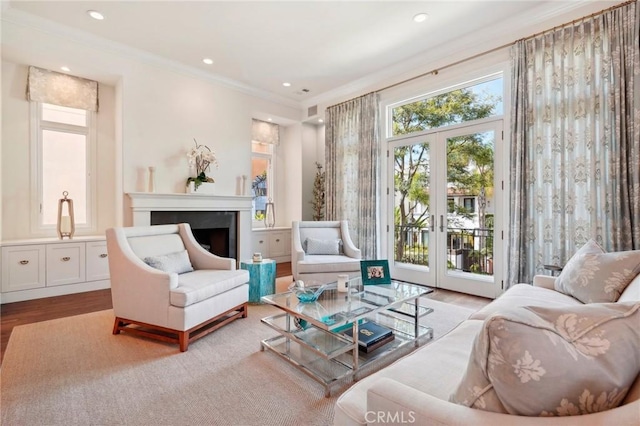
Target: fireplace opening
216 231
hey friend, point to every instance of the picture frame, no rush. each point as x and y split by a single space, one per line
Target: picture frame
375 272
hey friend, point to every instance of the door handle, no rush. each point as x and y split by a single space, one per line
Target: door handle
433 223
441 223
66 259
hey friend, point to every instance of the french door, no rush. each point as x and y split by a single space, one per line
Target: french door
445 206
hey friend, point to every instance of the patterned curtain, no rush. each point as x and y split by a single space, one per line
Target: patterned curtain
351 158
575 143
61 89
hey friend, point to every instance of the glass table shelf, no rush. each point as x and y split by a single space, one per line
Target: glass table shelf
311 335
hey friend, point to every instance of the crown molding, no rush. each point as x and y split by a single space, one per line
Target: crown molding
26 20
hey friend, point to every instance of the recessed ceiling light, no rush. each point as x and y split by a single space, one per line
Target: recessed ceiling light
65 69
208 61
320 120
285 84
95 14
269 119
420 17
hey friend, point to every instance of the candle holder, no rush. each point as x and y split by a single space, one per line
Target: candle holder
66 222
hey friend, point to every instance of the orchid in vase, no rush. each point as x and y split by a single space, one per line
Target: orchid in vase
201 157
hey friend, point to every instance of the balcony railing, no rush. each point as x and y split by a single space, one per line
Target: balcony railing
468 249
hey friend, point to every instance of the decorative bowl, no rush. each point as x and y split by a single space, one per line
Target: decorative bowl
306 294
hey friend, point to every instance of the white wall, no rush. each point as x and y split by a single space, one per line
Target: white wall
149 118
308 160
16 163
164 111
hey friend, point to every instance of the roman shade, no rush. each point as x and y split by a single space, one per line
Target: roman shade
61 89
264 132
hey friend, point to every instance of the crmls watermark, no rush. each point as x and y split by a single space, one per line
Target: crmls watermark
398 417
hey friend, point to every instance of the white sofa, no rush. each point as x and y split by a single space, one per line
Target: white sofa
323 266
172 306
416 388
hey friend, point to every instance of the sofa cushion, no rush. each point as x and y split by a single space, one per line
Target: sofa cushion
328 263
525 295
316 246
177 262
539 361
448 356
196 286
592 275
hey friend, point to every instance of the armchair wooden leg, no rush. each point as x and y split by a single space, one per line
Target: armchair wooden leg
116 326
245 310
183 338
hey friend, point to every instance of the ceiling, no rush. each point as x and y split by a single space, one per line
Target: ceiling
316 46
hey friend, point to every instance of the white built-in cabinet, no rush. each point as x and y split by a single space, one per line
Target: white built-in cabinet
272 243
32 269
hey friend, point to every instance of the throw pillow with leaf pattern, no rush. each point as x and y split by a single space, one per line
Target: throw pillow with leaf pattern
536 361
593 276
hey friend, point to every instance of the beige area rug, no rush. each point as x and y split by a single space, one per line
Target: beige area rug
73 371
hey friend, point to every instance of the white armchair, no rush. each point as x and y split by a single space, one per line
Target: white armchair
173 306
322 250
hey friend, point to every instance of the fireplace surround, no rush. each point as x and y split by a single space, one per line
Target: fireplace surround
221 222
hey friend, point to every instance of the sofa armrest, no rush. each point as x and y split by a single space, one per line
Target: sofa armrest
349 248
199 257
297 252
391 402
544 281
134 282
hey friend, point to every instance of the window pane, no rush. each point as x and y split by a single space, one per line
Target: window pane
470 103
64 157
60 114
259 186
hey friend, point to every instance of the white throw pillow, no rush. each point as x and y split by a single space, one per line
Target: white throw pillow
315 246
177 262
594 276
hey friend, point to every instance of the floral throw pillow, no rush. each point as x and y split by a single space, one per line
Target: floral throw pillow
592 275
535 361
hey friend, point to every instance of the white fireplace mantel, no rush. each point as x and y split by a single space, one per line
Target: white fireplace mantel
151 201
143 203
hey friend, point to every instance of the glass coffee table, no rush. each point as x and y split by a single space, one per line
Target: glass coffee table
314 337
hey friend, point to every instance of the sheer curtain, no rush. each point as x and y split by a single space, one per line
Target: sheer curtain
575 141
351 158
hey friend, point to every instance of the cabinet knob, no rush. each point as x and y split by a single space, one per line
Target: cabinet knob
261 241
103 255
277 240
66 259
24 262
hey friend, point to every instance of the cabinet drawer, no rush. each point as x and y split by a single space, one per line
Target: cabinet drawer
97 261
23 268
65 263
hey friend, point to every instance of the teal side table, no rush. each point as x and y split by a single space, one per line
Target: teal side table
262 278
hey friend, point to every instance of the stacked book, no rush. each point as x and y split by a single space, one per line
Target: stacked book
371 336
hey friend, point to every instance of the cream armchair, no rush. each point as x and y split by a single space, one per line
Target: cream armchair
320 251
187 294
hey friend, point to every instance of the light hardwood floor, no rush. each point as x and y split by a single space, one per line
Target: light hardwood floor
30 311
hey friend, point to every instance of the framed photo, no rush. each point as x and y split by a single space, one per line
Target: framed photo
375 272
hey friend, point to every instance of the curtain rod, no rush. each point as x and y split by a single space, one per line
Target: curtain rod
486 52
